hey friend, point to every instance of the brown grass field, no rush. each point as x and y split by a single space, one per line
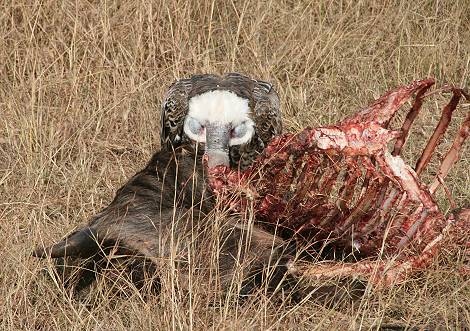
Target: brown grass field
80 90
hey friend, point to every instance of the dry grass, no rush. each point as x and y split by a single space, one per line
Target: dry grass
80 87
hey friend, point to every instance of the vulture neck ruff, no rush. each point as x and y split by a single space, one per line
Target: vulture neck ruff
219 106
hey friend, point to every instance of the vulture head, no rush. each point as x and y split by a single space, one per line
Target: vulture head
230 118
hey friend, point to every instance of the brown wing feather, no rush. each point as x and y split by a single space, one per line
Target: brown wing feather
174 110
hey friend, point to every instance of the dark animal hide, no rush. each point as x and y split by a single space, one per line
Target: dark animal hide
164 218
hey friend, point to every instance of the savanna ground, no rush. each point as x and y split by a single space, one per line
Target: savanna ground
80 90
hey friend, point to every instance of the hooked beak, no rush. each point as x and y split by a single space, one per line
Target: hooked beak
217 145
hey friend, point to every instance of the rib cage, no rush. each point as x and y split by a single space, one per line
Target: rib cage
341 182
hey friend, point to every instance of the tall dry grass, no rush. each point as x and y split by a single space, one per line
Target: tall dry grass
80 87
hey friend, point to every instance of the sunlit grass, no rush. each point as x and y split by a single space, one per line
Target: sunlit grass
80 90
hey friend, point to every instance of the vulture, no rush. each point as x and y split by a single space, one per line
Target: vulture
230 118
166 218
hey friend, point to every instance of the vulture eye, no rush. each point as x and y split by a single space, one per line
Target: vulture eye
194 129
239 131
242 133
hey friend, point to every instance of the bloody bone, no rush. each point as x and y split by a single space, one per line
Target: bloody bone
439 132
453 153
341 184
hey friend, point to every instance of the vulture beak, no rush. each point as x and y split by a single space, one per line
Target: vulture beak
217 144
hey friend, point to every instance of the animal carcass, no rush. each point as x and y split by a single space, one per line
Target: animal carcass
342 184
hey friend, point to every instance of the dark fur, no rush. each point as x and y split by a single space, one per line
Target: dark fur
163 213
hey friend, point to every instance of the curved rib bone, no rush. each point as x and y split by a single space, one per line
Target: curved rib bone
453 154
438 132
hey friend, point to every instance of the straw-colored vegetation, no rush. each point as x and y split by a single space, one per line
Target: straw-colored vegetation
80 90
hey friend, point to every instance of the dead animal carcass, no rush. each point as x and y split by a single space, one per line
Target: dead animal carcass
163 218
341 184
